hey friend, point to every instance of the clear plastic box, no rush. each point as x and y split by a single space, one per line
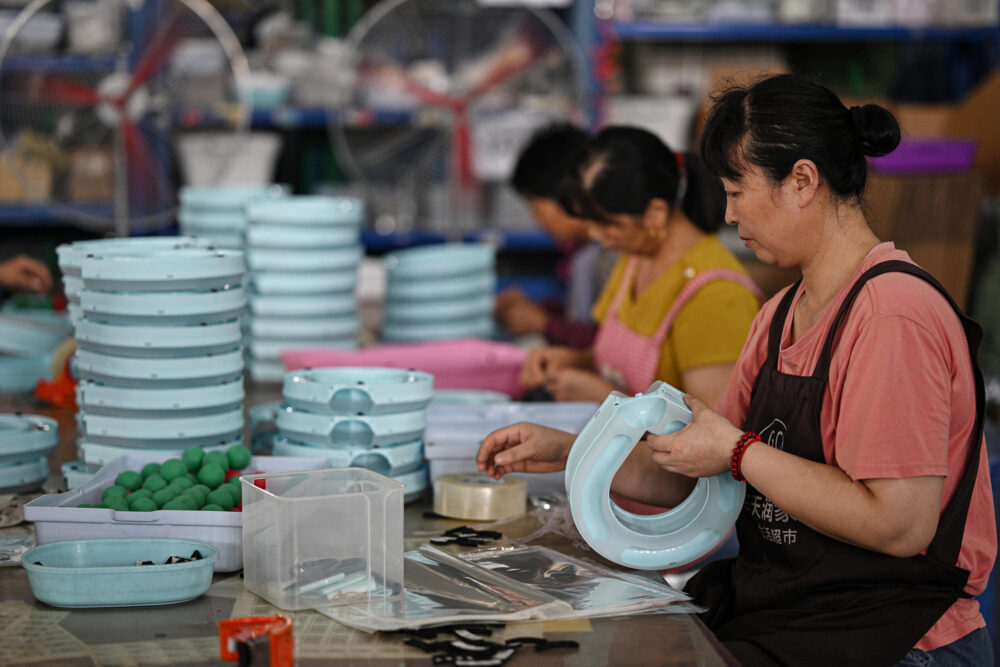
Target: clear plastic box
323 538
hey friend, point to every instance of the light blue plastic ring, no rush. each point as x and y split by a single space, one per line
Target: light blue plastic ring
26 437
671 539
358 391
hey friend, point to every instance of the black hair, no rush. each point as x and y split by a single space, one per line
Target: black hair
547 159
784 118
624 168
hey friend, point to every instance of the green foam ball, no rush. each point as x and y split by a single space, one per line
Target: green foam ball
196 495
162 497
141 493
143 504
234 492
211 475
210 507
221 498
218 458
192 458
129 479
181 482
172 469
154 482
114 490
150 469
239 457
115 503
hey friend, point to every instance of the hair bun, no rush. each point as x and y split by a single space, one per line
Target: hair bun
876 128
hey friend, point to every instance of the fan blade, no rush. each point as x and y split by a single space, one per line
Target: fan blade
161 46
515 59
146 180
66 91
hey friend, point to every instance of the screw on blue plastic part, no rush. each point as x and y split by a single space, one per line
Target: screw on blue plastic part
670 539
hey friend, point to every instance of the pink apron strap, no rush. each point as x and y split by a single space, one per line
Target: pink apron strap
696 284
623 287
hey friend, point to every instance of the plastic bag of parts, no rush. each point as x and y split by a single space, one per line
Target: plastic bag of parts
590 589
512 584
442 588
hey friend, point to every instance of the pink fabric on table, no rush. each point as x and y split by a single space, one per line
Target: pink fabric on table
466 363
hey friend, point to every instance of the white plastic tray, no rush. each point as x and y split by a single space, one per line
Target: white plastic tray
57 517
164 307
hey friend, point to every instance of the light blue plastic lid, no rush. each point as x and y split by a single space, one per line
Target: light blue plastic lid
175 308
103 573
228 197
441 310
291 283
20 476
159 373
440 260
96 398
164 271
358 391
270 349
220 240
357 431
313 305
156 431
308 210
70 255
668 540
158 341
212 221
260 235
339 327
22 336
25 437
98 454
389 461
331 259
410 332
22 373
419 289
416 483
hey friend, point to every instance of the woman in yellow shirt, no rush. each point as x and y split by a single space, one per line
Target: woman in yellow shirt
679 305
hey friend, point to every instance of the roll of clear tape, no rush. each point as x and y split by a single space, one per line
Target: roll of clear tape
479 497
678 537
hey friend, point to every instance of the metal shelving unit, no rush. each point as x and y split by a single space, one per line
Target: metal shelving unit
649 30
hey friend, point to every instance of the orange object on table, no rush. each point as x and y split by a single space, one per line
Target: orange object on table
240 637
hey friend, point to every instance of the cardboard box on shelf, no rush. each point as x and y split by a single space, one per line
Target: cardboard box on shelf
91 175
24 178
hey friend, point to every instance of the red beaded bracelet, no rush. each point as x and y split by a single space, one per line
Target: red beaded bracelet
741 447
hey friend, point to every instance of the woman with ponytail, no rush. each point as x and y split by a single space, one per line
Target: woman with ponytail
678 304
854 415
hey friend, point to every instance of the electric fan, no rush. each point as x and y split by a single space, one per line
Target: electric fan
179 65
447 93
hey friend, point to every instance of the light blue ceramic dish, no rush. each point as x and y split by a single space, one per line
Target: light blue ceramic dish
103 573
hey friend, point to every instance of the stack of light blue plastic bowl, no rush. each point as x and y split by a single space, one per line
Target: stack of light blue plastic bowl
302 256
370 418
159 352
28 340
439 292
219 213
25 443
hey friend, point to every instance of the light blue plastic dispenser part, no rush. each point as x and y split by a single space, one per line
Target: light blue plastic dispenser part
228 198
292 283
326 260
358 391
261 235
435 261
319 210
469 285
162 373
26 437
158 341
389 461
71 255
356 431
172 308
163 270
668 540
410 332
98 398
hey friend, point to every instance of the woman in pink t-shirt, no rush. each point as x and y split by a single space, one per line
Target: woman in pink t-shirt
855 414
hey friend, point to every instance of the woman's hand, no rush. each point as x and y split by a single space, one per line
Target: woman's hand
543 361
524 447
702 448
25 273
519 314
574 384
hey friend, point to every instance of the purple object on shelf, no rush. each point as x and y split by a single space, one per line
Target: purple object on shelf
927 156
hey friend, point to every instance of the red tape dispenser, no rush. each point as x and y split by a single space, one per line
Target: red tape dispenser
257 640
